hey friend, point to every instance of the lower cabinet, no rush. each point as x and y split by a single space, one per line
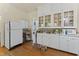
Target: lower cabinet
16 38
40 38
45 38
73 45
61 42
54 42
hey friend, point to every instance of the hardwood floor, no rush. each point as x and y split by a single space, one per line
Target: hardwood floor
27 49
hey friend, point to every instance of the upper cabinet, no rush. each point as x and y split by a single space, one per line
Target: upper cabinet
69 18
64 19
57 20
41 21
47 20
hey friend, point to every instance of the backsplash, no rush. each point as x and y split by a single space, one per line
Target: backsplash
57 31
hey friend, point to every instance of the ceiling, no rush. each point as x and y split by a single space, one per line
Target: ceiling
26 7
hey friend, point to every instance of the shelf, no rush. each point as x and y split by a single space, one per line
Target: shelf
70 27
59 27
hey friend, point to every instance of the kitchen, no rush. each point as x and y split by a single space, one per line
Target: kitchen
46 25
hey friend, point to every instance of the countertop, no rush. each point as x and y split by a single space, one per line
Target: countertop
71 35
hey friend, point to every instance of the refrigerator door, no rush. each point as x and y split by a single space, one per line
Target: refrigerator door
16 37
18 24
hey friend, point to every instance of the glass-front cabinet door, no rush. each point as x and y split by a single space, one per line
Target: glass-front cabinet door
41 21
47 20
68 18
57 19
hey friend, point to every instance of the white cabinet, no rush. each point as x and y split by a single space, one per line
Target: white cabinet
13 33
49 38
16 38
57 19
69 44
65 18
54 41
45 39
63 43
47 20
73 45
69 18
40 38
41 21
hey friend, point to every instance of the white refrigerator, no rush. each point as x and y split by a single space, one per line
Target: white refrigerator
14 33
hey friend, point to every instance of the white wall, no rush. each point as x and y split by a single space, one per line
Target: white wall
32 15
55 7
1 30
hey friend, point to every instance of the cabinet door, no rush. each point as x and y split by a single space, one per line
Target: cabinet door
16 37
49 40
57 41
68 16
39 38
73 45
63 43
54 42
45 39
